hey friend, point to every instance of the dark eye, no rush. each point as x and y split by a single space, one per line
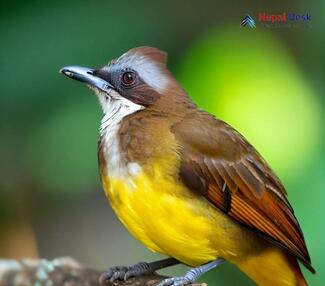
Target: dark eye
129 78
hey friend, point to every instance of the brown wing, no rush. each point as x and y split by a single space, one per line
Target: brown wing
220 164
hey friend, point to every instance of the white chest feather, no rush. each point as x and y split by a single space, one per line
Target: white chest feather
116 110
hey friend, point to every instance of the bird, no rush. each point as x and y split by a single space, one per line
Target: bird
185 183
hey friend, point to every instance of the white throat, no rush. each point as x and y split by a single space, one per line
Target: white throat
115 109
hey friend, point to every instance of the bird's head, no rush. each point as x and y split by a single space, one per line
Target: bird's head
136 80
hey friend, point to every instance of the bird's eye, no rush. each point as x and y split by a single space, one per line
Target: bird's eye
129 78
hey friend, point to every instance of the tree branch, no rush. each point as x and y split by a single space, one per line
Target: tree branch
61 271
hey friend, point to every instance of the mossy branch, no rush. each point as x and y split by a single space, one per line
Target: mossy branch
61 271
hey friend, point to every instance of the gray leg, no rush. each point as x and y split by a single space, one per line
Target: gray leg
192 275
141 268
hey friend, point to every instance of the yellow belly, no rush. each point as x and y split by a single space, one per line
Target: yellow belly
169 219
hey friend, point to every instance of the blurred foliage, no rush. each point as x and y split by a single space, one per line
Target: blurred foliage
267 83
66 145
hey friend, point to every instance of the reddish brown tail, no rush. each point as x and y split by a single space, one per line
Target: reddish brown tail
299 276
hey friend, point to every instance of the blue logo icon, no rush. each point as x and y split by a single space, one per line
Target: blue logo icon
248 21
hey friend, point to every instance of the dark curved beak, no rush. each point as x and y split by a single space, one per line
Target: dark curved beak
86 75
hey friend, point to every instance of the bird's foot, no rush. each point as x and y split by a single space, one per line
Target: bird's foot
190 277
123 272
141 268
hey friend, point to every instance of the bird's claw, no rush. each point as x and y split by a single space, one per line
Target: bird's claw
175 281
123 272
188 278
112 274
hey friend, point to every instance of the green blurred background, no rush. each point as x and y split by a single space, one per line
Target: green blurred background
268 83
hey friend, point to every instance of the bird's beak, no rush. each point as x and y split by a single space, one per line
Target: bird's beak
86 75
